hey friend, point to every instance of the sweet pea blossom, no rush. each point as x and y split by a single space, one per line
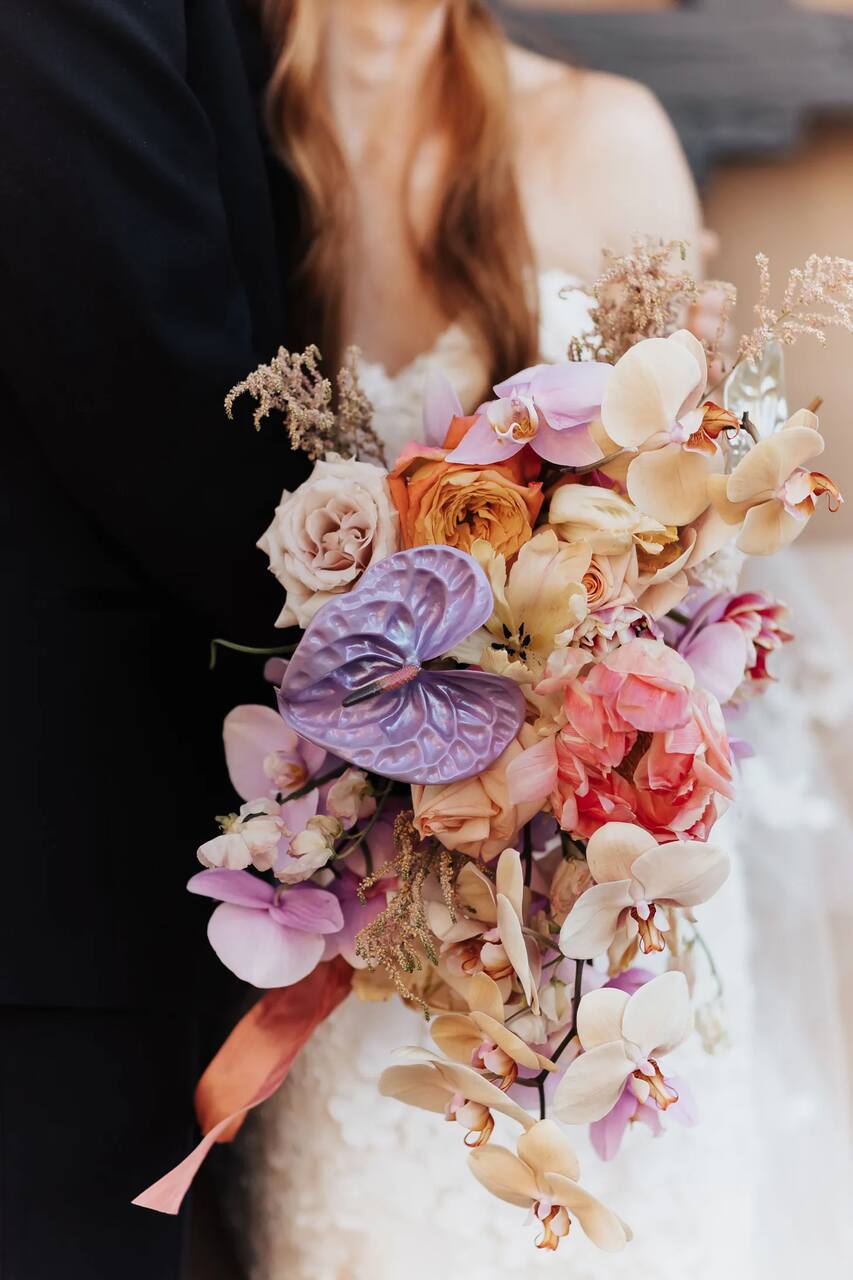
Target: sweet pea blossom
653 404
636 877
623 1036
770 492
482 1039
460 1093
309 850
251 837
544 1178
350 798
269 937
548 406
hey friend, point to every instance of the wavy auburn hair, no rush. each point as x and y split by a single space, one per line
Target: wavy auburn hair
476 253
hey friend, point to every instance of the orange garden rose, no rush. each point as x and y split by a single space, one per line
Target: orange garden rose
444 502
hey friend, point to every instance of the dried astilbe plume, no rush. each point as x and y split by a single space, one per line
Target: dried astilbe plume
293 385
400 936
646 294
818 296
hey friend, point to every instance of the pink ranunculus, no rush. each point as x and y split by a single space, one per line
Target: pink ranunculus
644 685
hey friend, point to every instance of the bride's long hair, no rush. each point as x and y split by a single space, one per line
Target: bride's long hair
476 252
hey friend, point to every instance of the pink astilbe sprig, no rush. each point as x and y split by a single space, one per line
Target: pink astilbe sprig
817 296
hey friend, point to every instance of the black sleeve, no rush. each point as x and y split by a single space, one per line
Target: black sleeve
124 316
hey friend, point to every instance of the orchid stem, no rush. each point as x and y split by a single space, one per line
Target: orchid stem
527 855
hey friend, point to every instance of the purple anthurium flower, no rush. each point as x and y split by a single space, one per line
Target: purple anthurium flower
268 936
549 407
359 683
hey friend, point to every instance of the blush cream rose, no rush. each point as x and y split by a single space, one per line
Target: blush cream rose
327 532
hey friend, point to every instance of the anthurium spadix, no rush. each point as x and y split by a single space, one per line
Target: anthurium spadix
635 877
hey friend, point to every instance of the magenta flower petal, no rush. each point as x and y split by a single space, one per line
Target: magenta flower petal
481 445
311 909
238 887
718 655
259 949
417 725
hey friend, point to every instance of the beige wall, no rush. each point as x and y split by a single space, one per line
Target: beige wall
790 207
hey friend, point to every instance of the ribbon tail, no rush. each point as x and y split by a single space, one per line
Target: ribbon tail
252 1064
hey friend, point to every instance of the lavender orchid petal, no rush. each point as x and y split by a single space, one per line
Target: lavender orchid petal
570 447
260 950
441 405
238 887
569 394
480 445
310 909
417 726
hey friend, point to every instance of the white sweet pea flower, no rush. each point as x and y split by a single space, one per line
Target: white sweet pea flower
544 1178
635 877
623 1037
310 850
250 837
350 797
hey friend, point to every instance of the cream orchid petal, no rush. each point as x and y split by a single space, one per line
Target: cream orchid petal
545 1149
515 947
416 1084
505 1039
504 1175
658 1016
592 1084
509 879
600 1016
613 849
730 513
605 1229
767 528
670 484
770 462
648 386
593 922
475 894
476 1088
684 873
456 1036
484 997
684 338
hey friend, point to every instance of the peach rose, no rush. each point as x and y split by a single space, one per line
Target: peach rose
475 816
444 502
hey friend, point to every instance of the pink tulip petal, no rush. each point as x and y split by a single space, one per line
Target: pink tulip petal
718 657
259 950
532 775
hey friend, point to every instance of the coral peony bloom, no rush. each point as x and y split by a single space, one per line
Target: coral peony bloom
653 403
543 1177
770 490
270 937
441 502
643 685
623 1036
475 815
548 407
634 878
327 532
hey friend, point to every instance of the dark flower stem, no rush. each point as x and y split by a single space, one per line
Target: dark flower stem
538 1082
313 784
527 855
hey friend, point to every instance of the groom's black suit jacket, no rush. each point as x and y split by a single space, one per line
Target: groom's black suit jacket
141 265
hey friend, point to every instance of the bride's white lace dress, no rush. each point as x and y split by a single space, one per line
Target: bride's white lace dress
345 1185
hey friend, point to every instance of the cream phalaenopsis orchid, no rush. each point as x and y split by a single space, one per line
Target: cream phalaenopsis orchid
635 877
543 1177
771 492
537 604
490 926
653 404
481 1037
457 1092
623 1036
608 523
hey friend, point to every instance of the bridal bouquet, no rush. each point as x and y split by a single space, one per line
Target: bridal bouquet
491 768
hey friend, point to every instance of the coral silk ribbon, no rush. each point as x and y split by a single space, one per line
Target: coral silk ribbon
250 1066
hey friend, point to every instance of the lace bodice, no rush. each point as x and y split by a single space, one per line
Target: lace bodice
342 1184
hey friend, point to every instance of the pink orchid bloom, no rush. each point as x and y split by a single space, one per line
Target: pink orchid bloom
635 877
549 407
606 1134
268 936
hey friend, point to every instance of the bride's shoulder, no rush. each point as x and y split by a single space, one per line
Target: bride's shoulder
608 140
